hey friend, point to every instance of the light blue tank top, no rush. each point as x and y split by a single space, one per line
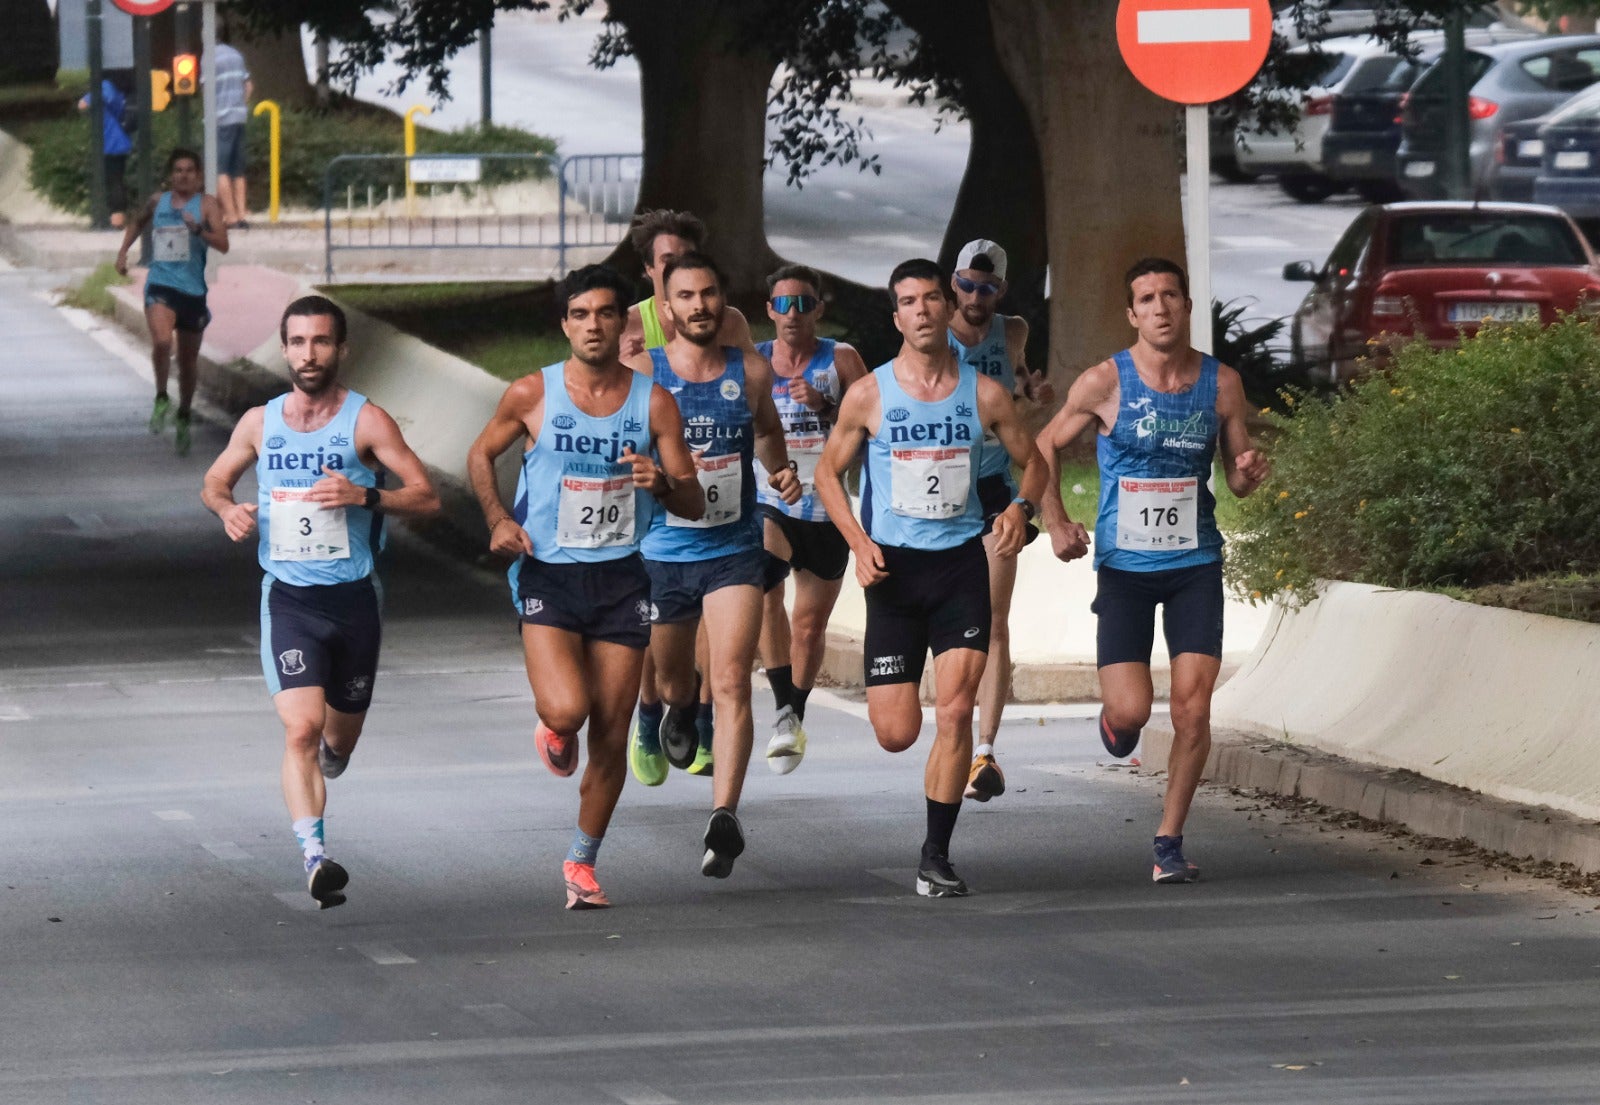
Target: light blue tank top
990 358
804 432
301 543
921 485
577 503
1156 510
178 258
720 430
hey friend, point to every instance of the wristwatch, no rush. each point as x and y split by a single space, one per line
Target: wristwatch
373 498
1029 511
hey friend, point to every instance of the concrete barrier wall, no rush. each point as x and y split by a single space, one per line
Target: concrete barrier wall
1496 701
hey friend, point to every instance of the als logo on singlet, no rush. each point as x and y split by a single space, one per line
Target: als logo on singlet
1188 434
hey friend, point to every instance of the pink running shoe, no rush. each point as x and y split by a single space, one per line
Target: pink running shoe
559 753
582 891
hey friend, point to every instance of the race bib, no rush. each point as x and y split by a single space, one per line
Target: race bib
804 452
1157 515
171 243
929 483
721 478
595 512
303 530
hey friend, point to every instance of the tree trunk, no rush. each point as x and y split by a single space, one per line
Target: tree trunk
277 66
704 96
1110 164
28 51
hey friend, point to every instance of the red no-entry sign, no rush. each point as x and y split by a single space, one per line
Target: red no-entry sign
1194 51
143 7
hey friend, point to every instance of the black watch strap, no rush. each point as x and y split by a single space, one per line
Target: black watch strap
373 498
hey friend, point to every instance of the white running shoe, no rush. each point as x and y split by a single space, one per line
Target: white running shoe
788 744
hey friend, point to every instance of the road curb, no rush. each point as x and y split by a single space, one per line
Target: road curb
1389 796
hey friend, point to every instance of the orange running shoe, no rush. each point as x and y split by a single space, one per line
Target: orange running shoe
985 780
559 753
582 891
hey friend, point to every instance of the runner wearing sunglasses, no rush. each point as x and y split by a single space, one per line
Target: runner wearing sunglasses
809 375
995 345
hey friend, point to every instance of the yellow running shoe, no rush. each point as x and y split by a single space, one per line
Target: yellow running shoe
645 758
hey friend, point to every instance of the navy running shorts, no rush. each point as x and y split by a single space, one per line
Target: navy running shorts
193 316
324 636
1191 612
815 547
604 601
933 598
678 588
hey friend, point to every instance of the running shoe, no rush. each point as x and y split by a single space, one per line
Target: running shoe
645 760
324 879
1119 746
181 438
788 744
158 414
558 751
937 879
331 763
985 780
582 890
1170 865
724 843
703 762
680 740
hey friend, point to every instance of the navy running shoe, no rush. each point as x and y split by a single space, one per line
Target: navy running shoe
1116 743
1170 866
724 843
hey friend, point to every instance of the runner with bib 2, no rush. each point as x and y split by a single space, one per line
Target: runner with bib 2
1162 409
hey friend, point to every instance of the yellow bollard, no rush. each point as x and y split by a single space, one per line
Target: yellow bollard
275 144
411 151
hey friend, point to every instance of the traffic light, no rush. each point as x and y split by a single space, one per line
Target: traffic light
185 74
160 89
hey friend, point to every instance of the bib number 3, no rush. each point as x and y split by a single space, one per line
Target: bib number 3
1157 515
304 530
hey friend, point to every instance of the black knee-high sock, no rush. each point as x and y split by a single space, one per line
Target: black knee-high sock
941 823
782 681
798 701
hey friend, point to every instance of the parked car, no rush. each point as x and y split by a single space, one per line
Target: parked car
1440 269
1357 17
1509 82
1363 135
1569 167
1295 154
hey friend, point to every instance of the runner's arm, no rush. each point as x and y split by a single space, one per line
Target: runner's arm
1245 466
377 434
238 519
736 331
850 367
849 433
998 413
136 227
1030 384
506 426
771 448
679 487
1084 399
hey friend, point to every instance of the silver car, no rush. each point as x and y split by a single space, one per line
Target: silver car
1508 82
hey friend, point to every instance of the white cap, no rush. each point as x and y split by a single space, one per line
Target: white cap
982 247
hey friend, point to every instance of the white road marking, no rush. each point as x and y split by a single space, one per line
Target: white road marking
227 851
1194 25
174 815
9 712
1250 241
632 1093
384 955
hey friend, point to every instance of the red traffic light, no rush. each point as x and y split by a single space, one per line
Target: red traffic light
185 74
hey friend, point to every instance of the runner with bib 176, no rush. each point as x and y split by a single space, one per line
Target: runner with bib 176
1161 409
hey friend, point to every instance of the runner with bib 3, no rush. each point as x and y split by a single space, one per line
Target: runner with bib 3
1162 409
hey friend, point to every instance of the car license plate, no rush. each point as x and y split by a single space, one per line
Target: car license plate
1356 157
1530 149
1419 168
1492 312
1572 159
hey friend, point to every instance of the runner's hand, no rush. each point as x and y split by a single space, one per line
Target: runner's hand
1254 466
1039 389
1010 531
632 346
870 566
509 539
122 263
239 521
786 484
334 490
191 222
646 472
802 392
1069 540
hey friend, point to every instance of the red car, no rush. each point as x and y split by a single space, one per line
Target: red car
1441 269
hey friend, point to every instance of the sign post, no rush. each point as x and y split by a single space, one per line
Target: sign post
1195 52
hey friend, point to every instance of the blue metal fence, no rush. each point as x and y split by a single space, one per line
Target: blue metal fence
491 201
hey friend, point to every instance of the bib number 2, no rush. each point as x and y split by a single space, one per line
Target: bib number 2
929 483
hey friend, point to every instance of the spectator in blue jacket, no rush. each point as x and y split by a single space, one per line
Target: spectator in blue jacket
118 145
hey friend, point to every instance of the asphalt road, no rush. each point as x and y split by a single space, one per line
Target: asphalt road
156 945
